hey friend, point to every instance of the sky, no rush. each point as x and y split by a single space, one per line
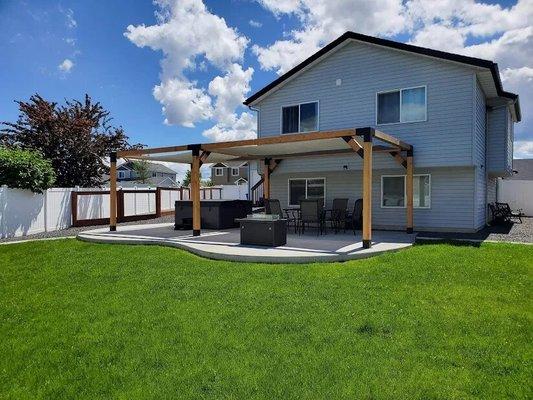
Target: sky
174 72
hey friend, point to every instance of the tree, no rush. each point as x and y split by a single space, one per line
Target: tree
142 169
25 169
207 183
76 137
187 180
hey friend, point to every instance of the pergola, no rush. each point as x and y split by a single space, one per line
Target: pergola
272 150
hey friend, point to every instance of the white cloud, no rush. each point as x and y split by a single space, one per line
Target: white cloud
242 127
229 92
183 103
324 21
523 149
66 66
255 24
187 31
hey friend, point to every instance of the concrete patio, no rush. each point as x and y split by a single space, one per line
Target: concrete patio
224 244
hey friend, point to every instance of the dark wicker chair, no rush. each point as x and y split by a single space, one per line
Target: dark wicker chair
356 218
312 213
273 206
505 209
338 214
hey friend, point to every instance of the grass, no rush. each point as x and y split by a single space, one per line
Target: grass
93 321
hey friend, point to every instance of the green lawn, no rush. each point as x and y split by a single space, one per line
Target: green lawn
93 321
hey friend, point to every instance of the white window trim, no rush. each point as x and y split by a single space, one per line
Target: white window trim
400 90
404 191
299 104
233 169
301 179
221 169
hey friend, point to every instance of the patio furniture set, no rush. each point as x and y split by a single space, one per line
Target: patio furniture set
502 213
312 214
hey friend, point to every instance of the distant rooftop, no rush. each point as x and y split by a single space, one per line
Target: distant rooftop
524 169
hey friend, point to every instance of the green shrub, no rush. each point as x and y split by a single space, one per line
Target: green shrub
25 169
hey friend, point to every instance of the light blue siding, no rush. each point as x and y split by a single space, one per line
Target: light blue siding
492 184
478 156
452 196
499 142
480 197
478 147
445 139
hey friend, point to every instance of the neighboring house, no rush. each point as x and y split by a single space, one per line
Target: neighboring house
229 173
160 175
522 170
451 108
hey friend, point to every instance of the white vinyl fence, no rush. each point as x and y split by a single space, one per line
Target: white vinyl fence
24 213
518 193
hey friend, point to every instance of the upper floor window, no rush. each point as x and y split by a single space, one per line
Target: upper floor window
235 172
299 118
154 174
219 171
403 105
121 175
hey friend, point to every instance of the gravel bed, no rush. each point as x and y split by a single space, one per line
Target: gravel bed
74 231
514 232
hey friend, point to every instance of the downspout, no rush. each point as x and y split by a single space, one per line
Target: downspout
486 163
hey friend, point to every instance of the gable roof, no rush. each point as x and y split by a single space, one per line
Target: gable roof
152 167
471 61
230 164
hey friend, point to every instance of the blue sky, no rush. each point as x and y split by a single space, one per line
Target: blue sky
64 49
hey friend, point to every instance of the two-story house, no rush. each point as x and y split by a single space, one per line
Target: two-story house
451 108
159 175
229 173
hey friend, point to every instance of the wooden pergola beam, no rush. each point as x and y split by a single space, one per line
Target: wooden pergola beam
354 144
113 191
390 139
266 178
367 189
399 158
287 138
195 191
152 150
409 190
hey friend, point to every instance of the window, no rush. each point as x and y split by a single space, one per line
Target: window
219 171
307 188
404 105
235 172
421 191
393 191
121 175
299 118
154 174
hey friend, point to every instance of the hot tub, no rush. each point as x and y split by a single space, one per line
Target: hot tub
215 214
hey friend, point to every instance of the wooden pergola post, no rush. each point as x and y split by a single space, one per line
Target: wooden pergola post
195 190
113 191
367 188
266 179
409 190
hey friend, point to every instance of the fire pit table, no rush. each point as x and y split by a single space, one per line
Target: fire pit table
263 230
